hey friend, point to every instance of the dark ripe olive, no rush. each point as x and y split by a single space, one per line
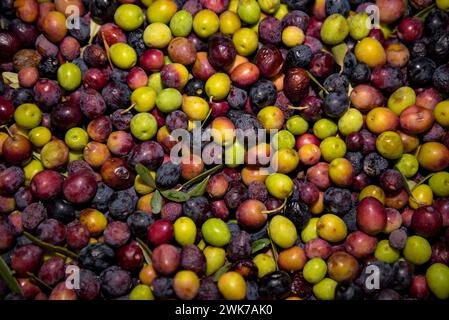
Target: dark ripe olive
221 51
102 11
296 84
269 60
195 87
298 213
275 285
25 32
7 7
9 45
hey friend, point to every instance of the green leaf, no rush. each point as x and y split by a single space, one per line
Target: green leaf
339 53
145 175
6 274
259 245
146 251
11 78
199 189
176 196
203 174
156 202
221 271
48 246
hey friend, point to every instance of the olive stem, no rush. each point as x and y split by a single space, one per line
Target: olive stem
297 108
425 10
108 54
419 15
273 248
36 155
317 82
146 251
207 117
39 281
7 130
128 109
276 209
423 180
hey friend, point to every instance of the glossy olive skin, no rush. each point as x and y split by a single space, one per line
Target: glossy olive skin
269 60
275 285
296 84
102 11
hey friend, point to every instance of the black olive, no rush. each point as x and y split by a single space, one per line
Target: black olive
275 285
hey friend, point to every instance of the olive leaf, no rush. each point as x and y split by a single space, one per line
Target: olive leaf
259 245
94 29
176 196
6 274
145 175
207 118
203 174
11 79
199 189
156 202
221 271
145 250
41 283
339 53
48 246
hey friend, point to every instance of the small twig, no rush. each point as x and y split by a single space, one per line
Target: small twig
39 281
36 156
146 251
108 54
297 108
7 130
207 117
317 82
425 10
273 248
128 109
419 15
276 209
